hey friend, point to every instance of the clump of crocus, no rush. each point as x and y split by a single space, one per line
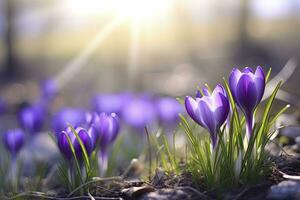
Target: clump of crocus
247 88
233 160
67 137
168 110
76 145
31 118
209 111
106 126
13 140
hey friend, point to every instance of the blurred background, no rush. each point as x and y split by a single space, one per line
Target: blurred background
167 47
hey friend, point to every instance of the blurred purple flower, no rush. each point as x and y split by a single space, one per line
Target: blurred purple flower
13 140
168 110
139 113
247 89
65 116
31 118
3 106
209 111
49 89
109 103
64 145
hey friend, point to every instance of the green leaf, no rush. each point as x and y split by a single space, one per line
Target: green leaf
85 155
268 74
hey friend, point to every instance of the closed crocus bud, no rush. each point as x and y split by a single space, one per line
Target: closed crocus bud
107 126
31 118
14 140
64 145
139 113
247 88
168 110
209 111
65 116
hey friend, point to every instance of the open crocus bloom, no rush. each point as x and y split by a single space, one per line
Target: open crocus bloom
209 111
247 89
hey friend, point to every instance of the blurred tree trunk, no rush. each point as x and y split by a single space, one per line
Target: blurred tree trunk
10 57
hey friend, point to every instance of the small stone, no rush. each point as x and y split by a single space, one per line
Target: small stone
297 140
285 190
135 192
166 194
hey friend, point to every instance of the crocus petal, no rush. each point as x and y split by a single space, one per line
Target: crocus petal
233 80
115 126
192 108
219 89
246 94
247 70
198 94
260 83
86 141
259 73
207 115
221 108
205 91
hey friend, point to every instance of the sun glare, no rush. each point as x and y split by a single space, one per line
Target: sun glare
143 9
146 10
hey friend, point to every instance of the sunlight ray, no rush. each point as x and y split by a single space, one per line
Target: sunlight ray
74 65
134 51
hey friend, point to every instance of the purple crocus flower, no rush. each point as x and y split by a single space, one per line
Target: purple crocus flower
31 118
209 111
65 116
139 113
14 140
247 89
107 127
64 145
168 110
